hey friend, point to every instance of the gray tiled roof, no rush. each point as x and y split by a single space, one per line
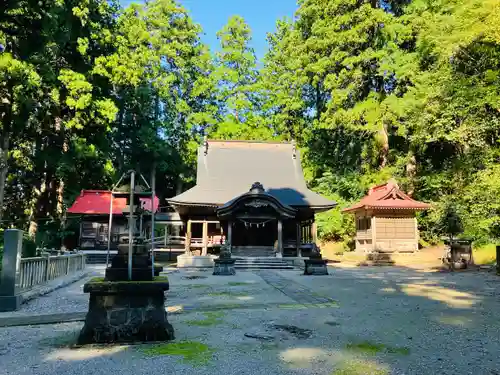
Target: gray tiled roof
229 169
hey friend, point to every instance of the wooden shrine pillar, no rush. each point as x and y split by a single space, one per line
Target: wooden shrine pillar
205 239
314 232
298 238
187 244
279 254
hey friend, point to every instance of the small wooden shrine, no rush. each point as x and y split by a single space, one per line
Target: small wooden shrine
251 196
93 206
385 220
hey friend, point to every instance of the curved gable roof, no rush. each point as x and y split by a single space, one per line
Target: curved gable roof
387 196
256 196
227 168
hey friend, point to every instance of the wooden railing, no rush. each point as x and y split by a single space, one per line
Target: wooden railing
169 240
39 270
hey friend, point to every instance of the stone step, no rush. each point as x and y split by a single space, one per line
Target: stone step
259 260
256 251
262 263
263 266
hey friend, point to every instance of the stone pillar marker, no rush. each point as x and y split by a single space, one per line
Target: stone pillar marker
279 254
297 240
11 267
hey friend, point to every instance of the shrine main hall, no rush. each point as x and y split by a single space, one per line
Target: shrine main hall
251 196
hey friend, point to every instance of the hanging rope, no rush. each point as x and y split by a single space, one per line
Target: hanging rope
252 224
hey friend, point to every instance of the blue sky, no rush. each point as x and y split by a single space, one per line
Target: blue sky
261 15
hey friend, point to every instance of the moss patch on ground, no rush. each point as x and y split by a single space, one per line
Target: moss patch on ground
228 294
192 352
238 283
373 348
229 306
360 367
198 286
211 319
292 306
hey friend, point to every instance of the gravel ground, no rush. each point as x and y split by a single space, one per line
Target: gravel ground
388 321
68 299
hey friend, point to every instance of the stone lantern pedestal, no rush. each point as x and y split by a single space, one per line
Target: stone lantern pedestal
224 265
126 311
315 265
141 263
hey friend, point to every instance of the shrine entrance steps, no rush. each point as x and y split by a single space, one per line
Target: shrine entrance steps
253 251
261 263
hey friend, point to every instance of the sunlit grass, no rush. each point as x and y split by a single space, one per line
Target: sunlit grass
211 319
485 255
360 367
373 348
195 353
366 347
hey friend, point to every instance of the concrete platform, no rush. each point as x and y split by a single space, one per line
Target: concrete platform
195 261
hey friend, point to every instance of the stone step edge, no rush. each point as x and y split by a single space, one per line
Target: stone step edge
264 268
259 261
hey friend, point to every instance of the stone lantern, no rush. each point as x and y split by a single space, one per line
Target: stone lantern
132 247
129 304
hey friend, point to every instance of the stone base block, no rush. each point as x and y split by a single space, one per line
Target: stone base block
298 262
315 267
194 261
124 312
224 267
10 303
138 274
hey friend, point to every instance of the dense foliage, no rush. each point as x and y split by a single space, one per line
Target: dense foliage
369 89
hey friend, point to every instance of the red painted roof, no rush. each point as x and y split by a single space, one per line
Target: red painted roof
96 202
387 196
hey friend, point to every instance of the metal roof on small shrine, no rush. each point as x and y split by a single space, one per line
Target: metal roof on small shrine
387 196
97 202
226 170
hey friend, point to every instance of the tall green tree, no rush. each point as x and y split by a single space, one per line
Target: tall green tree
237 80
158 72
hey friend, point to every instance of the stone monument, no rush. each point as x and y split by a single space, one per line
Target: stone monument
128 305
315 265
224 266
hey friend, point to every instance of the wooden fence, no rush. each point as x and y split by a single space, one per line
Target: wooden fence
39 270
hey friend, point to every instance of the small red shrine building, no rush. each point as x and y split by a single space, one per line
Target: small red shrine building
385 220
93 207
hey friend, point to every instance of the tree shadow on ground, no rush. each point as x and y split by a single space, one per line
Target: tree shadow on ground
388 320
